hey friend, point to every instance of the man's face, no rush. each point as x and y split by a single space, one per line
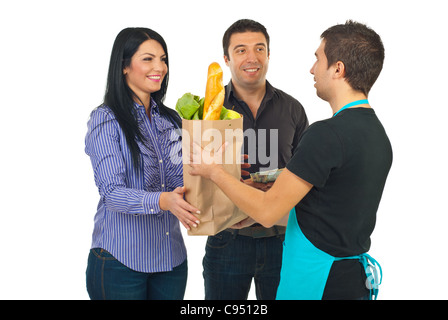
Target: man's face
322 74
248 59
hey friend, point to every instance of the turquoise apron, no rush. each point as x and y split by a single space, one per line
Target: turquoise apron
305 268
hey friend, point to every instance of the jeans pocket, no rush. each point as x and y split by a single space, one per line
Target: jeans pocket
220 240
102 254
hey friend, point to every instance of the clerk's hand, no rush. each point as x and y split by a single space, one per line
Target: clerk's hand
205 163
175 203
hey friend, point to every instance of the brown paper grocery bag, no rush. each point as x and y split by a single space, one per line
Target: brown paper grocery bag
217 211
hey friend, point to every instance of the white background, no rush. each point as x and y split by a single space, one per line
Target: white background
54 57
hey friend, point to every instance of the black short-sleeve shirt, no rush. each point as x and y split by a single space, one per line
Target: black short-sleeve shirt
347 159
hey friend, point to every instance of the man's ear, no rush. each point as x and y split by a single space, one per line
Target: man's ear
339 70
226 60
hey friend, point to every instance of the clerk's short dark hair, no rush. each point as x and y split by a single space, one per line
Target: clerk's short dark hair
240 26
359 48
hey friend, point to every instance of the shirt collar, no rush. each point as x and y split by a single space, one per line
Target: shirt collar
231 91
158 121
154 107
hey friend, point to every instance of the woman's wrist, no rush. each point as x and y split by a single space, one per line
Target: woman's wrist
163 201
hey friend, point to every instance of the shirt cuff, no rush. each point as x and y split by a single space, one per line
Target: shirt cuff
151 203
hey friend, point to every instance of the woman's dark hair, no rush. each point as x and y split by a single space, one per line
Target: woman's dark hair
359 48
120 98
240 26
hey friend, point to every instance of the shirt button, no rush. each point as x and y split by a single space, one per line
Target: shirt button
167 233
152 210
163 185
160 161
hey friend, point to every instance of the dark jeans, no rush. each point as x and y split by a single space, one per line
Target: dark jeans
231 261
109 279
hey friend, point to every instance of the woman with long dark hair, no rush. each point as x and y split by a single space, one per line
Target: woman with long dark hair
134 145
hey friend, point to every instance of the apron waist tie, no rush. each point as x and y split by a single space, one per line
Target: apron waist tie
371 268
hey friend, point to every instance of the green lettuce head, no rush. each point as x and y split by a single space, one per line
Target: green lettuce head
188 105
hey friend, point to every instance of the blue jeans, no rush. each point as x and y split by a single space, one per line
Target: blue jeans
232 261
109 279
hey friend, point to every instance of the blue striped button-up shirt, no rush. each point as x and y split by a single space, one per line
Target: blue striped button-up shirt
129 222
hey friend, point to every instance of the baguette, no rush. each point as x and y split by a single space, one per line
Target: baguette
214 93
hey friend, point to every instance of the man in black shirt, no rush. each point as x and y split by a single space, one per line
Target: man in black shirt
333 184
273 123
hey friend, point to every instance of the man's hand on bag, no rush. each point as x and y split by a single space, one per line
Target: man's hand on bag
175 203
245 165
258 185
244 223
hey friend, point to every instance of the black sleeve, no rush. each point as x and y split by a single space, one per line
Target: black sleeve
302 125
318 152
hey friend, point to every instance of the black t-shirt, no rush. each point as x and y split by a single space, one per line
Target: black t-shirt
347 159
279 114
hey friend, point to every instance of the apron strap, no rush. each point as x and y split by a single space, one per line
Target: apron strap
371 267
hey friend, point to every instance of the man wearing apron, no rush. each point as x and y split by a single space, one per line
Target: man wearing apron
333 184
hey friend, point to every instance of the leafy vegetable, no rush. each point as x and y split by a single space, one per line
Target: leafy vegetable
187 105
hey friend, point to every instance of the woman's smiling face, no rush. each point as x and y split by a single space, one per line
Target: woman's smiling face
147 69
